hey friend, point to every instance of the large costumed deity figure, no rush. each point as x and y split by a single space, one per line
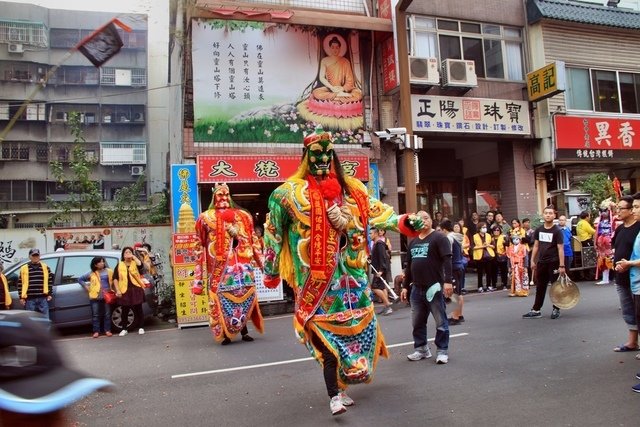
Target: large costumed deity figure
229 255
605 227
316 240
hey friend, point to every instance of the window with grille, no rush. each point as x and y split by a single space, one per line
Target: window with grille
123 77
42 153
123 153
24 32
14 151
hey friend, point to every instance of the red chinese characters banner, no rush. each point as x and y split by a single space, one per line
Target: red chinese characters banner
389 65
596 138
385 9
248 168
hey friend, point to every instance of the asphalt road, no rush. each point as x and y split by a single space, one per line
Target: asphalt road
503 371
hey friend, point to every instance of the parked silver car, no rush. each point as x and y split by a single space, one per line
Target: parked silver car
70 303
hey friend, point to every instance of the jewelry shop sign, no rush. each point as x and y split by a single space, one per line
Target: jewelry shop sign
469 115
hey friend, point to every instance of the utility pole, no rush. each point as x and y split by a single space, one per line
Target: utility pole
408 156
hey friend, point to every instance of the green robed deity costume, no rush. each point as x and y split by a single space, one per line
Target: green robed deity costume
316 240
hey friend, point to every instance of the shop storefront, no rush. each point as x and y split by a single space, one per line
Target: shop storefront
472 154
589 144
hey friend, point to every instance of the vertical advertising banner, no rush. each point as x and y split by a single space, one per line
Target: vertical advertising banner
191 310
185 204
373 185
265 82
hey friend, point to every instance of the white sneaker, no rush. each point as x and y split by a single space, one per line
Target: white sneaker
140 331
336 405
123 333
346 400
387 311
442 358
419 354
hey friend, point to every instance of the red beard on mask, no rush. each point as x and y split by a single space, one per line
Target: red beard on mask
330 187
228 215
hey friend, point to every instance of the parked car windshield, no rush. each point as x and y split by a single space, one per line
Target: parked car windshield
76 266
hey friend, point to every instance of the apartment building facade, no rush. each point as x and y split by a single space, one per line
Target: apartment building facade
37 64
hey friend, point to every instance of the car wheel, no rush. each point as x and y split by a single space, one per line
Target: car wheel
116 319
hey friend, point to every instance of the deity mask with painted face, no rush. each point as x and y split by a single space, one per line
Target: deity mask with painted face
319 147
221 197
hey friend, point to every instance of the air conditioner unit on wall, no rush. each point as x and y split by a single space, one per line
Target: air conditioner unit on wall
15 48
137 170
424 71
557 180
459 73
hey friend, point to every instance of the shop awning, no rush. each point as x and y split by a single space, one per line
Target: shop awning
218 9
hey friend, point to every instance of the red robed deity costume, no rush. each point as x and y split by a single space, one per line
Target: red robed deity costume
230 255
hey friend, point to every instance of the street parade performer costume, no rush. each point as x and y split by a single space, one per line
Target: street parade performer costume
316 241
229 257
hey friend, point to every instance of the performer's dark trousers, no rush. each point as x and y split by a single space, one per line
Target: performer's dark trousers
543 275
329 367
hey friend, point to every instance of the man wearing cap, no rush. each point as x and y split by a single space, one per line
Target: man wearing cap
316 240
35 385
35 282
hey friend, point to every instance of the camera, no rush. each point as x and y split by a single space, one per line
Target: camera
396 131
382 134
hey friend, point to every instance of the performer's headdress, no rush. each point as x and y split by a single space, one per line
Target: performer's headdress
215 189
317 136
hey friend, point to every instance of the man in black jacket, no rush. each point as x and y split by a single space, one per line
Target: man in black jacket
381 266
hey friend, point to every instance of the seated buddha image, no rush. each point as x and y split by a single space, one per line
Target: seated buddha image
335 98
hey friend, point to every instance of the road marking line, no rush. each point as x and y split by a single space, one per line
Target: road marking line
284 362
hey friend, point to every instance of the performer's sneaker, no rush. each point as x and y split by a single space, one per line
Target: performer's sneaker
123 333
555 313
533 314
336 405
442 358
387 311
226 341
247 338
419 354
346 400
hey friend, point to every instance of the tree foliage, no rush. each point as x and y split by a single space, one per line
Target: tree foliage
599 187
83 197
126 204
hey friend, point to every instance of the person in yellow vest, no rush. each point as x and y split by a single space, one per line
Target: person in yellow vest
96 282
484 255
35 281
129 287
500 266
5 296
